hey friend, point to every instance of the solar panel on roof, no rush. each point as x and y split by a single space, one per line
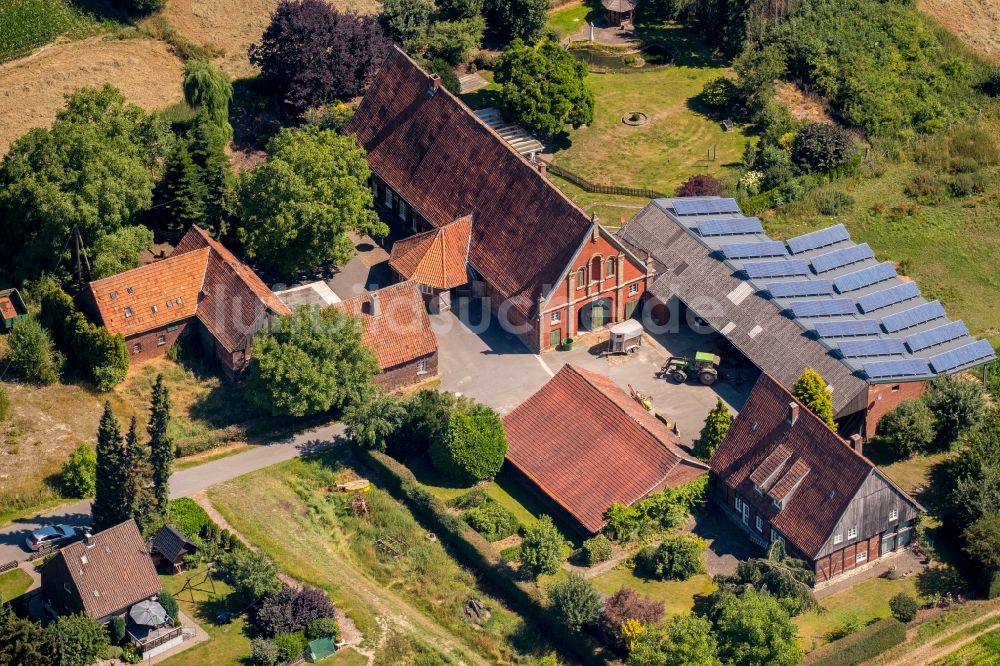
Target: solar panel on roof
824 308
800 288
877 347
891 296
843 257
753 250
936 336
910 367
865 277
732 227
818 239
770 269
705 206
912 317
966 355
848 329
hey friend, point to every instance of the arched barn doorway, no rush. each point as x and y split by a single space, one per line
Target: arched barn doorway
596 314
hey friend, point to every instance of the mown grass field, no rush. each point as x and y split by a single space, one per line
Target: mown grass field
677 596
228 642
13 583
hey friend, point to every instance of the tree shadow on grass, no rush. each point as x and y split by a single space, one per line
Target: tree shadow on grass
686 47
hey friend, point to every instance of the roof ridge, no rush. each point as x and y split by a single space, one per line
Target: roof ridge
157 262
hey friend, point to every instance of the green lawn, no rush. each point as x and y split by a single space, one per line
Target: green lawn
228 643
865 601
14 583
677 596
678 141
28 24
566 21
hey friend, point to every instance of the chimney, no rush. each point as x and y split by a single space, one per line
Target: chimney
542 167
373 306
435 84
857 444
595 229
793 412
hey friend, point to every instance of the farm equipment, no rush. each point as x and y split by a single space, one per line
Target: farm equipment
705 365
641 398
625 337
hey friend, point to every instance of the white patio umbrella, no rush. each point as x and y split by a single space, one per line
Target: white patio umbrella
148 613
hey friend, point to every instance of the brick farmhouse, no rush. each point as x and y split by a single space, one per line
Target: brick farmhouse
201 287
547 268
782 474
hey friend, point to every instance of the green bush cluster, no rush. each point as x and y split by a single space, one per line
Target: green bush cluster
492 520
659 512
100 354
78 475
596 550
472 447
31 353
676 558
903 607
188 517
859 647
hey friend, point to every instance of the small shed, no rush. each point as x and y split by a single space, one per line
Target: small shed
618 12
168 548
12 308
321 648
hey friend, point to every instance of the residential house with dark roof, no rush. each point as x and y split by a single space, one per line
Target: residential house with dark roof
202 286
582 443
783 475
817 301
398 330
547 268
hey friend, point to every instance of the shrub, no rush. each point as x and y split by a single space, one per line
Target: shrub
991 83
596 550
903 607
185 515
263 652
169 604
492 520
717 425
79 474
4 405
290 610
116 629
821 147
448 77
719 93
957 405
31 353
290 645
812 391
541 548
323 627
80 639
253 574
475 497
472 447
908 428
426 419
453 42
656 513
701 185
575 602
834 203
626 604
964 184
677 558
860 646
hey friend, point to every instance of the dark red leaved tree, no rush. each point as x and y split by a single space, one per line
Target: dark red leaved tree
702 185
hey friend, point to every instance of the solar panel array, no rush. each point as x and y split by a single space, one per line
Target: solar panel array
891 296
909 367
843 257
936 336
913 317
866 277
771 269
824 308
753 250
705 206
876 347
800 288
818 239
966 355
732 227
848 329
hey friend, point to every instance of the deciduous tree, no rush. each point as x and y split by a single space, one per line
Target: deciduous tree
821 147
372 421
516 19
79 639
541 547
406 21
544 87
472 447
118 251
31 353
208 87
161 445
79 473
716 427
455 41
684 640
456 10
957 405
753 629
812 391
297 207
252 574
575 602
624 605
908 428
701 185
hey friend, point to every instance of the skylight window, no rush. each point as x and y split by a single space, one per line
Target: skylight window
179 300
170 304
127 311
154 308
114 295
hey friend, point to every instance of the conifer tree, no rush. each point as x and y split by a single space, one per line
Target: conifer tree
207 144
714 431
811 390
161 446
136 473
110 507
184 188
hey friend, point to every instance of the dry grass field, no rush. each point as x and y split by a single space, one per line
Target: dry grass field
231 26
32 89
975 22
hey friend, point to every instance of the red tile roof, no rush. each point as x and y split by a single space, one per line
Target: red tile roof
201 278
586 444
437 257
806 464
110 572
401 332
446 163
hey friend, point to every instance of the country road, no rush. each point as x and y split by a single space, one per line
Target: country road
182 484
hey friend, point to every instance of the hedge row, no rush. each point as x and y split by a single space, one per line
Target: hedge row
860 646
478 553
97 352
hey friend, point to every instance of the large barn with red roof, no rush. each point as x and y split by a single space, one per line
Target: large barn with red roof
548 269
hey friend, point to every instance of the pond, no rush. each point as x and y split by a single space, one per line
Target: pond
652 55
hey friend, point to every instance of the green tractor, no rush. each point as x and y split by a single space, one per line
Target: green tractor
705 365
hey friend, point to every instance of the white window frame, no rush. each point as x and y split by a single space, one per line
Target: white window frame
893 515
422 367
633 288
862 556
426 289
852 532
555 317
777 504
838 538
739 504
760 524
161 340
776 537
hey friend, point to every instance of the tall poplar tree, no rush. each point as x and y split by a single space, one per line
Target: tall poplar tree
716 427
110 506
135 465
161 446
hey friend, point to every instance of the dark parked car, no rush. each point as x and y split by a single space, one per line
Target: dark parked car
53 535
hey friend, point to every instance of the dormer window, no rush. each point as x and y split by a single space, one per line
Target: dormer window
130 290
127 312
757 489
776 504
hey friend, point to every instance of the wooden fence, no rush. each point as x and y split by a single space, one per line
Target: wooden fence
585 184
7 567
